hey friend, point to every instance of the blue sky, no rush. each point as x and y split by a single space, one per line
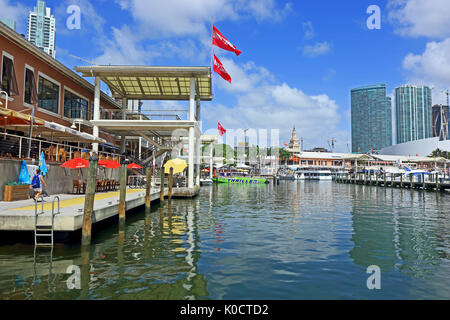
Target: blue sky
300 58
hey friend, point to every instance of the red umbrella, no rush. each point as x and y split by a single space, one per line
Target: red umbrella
134 166
109 164
76 163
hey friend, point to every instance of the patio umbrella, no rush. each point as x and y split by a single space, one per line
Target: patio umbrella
76 163
134 166
178 165
110 164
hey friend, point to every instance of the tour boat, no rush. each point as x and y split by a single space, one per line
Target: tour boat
205 182
321 175
241 180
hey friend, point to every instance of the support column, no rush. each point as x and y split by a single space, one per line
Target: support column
211 169
191 134
198 158
161 193
96 111
89 201
124 117
191 159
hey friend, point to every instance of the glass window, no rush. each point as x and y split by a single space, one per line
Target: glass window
75 107
30 96
9 82
48 95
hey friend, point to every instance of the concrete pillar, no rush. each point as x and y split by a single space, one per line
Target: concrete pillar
124 117
192 101
96 111
191 158
198 152
89 201
211 165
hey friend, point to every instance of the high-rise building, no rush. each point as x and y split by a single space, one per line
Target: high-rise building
41 28
440 121
413 113
371 118
10 23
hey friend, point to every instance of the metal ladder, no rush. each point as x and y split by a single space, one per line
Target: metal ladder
44 230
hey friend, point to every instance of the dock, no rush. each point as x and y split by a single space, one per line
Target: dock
421 181
20 215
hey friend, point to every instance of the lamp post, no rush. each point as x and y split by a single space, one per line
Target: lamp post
7 97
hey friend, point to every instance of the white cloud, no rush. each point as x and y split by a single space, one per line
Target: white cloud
264 103
416 18
180 17
318 49
17 12
308 29
432 66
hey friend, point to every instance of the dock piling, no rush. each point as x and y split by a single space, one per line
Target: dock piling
170 183
148 189
123 192
89 201
161 195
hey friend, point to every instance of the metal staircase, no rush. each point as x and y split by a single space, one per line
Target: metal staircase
44 231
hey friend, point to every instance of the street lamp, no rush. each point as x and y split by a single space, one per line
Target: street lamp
6 94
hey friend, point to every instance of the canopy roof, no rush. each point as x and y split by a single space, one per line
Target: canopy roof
152 82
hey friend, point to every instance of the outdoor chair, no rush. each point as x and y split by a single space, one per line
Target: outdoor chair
76 186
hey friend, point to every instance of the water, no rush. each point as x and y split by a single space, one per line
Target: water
297 240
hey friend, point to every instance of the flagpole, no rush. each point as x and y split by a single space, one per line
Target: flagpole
212 57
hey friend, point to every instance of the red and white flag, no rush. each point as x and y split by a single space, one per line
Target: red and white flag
221 129
219 40
218 67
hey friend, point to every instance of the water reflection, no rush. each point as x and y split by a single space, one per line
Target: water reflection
289 241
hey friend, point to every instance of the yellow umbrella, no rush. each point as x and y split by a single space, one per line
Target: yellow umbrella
178 165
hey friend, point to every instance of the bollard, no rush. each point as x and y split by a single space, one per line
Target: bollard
437 181
148 189
123 193
170 183
161 195
89 201
401 181
411 181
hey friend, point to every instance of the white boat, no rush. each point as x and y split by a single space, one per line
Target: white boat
321 175
205 182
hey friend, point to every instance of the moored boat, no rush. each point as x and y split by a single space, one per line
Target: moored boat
240 180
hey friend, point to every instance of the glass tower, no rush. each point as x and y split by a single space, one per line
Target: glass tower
413 113
41 28
371 118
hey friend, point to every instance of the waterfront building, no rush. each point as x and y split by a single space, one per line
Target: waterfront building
413 113
294 143
440 121
10 23
371 118
41 28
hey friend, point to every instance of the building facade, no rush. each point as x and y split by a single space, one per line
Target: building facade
440 122
41 28
413 113
371 118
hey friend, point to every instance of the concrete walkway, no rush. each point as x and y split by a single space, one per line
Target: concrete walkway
20 215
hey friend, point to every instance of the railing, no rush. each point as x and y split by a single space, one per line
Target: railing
16 147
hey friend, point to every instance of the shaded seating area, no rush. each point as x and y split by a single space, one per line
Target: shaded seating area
79 187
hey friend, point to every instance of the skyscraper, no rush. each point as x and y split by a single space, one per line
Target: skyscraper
440 121
41 28
10 23
413 113
371 118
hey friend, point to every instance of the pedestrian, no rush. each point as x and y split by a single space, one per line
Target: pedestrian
37 183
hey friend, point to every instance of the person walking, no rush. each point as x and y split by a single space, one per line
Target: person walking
37 183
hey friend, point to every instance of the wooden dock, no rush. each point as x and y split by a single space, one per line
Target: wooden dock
411 181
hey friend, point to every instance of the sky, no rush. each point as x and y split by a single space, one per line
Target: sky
299 60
